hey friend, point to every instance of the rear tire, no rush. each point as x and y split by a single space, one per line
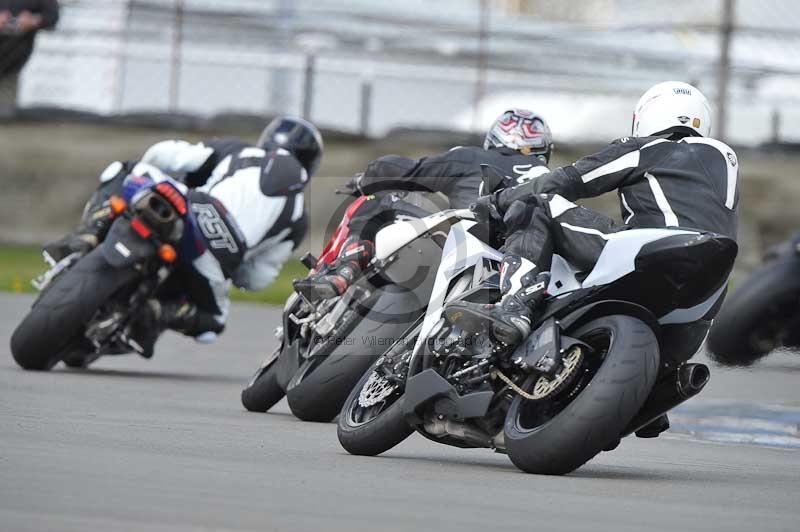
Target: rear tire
776 284
320 394
377 435
63 309
264 392
601 411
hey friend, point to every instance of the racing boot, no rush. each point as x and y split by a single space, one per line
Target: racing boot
181 316
95 223
354 258
509 321
79 242
188 319
146 328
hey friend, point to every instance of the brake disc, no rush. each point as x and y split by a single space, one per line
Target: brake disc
376 389
544 387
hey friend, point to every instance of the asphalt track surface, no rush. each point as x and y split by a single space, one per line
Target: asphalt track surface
165 445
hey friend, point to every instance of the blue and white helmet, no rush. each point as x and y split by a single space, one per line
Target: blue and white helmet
521 130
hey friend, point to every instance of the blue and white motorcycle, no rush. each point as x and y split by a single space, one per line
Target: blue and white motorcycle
607 357
88 304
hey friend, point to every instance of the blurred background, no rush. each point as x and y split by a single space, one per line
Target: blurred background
411 77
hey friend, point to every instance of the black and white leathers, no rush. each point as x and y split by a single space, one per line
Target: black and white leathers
455 173
690 182
261 190
194 163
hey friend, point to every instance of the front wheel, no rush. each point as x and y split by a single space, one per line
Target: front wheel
263 391
759 316
372 421
557 436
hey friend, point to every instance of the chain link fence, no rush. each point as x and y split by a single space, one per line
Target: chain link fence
368 67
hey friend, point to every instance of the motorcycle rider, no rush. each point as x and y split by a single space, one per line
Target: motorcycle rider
668 173
249 205
518 145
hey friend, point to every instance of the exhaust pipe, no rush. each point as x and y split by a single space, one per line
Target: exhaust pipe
675 388
692 378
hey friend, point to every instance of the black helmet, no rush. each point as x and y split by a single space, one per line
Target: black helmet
521 130
297 136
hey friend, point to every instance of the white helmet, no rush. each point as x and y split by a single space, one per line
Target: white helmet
671 104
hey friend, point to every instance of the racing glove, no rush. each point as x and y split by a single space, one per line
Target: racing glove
486 210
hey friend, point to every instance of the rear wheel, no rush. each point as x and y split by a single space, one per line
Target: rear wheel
58 317
263 392
558 435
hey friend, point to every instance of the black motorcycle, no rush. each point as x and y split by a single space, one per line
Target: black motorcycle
326 346
89 304
607 358
763 314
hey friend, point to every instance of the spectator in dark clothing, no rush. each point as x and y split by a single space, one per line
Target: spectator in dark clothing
19 22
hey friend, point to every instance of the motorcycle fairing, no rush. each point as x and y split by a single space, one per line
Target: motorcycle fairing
461 251
692 314
619 258
621 250
123 247
334 245
393 237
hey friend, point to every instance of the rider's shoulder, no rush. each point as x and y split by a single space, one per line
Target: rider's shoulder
632 142
226 143
723 149
467 153
708 141
282 175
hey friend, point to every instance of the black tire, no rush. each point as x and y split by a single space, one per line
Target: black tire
771 292
600 412
319 394
61 312
78 356
264 391
377 435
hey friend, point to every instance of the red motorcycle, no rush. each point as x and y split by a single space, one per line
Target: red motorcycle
326 347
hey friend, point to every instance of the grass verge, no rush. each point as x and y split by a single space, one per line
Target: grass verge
20 264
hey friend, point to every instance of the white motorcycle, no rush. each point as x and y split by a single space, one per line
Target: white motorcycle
607 357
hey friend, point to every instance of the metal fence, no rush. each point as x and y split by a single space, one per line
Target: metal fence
371 66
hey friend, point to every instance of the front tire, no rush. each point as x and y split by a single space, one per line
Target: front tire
263 392
63 309
371 436
598 415
768 297
318 394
